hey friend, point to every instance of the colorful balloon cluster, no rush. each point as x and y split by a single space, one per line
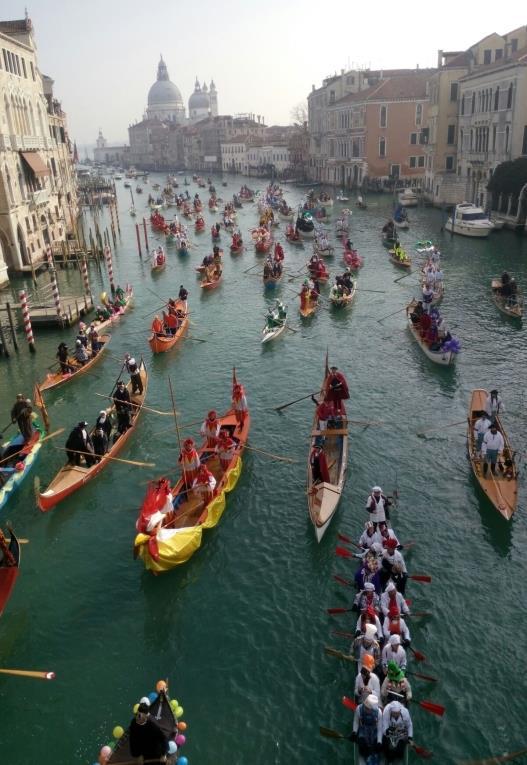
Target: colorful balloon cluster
178 740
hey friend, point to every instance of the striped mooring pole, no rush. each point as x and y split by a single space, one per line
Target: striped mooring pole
85 277
56 293
22 295
109 266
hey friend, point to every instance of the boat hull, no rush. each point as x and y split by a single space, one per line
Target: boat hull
9 574
16 478
467 230
163 344
444 358
269 335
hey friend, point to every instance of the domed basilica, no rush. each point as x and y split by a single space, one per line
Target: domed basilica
165 102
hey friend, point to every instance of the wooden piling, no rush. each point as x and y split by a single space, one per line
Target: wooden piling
146 235
27 320
11 325
138 240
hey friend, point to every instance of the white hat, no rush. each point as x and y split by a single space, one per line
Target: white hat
369 586
371 631
395 706
131 361
77 342
371 701
377 548
368 525
390 587
145 700
103 411
376 488
395 640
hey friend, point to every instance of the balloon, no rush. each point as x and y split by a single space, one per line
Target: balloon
179 712
145 700
117 731
103 297
173 705
152 696
182 761
161 686
180 739
172 747
135 708
104 755
182 725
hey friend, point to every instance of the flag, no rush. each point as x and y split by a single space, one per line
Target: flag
39 402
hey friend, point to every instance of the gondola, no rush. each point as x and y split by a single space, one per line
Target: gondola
501 489
73 477
323 496
128 302
9 567
163 343
344 301
445 357
509 305
54 379
14 471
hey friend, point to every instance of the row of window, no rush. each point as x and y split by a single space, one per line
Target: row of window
416 161
487 100
478 139
15 64
344 149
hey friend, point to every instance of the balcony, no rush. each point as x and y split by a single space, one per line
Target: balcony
38 198
5 142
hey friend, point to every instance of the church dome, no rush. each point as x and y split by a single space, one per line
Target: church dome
163 92
200 99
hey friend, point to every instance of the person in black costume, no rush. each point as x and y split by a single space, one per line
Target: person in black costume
147 740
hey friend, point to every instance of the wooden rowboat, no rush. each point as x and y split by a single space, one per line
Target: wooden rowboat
158 267
309 309
174 543
406 263
271 281
236 250
502 488
25 457
345 301
211 284
271 333
506 304
323 497
297 242
54 379
445 358
73 477
162 343
129 296
9 568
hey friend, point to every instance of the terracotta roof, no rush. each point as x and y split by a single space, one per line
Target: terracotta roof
392 89
16 26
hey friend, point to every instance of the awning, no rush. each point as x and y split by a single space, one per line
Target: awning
35 162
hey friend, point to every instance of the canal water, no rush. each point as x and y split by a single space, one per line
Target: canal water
240 629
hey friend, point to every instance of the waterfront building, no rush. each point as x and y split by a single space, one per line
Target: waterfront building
109 155
373 135
38 194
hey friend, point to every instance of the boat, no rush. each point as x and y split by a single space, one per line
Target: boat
294 237
277 326
236 249
162 343
128 302
73 477
305 225
390 241
341 197
308 306
326 251
510 305
343 301
54 379
271 281
14 471
165 712
352 259
323 497
9 568
180 535
408 198
502 488
445 357
399 257
211 281
469 220
158 266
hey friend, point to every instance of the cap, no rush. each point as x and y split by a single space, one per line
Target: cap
103 411
368 662
395 706
143 708
188 442
368 525
390 587
370 631
369 586
395 640
120 383
394 671
371 701
391 543
377 489
131 361
78 342
83 424
145 700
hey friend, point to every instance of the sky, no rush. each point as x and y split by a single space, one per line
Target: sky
263 57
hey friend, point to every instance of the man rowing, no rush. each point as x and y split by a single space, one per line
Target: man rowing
367 727
367 597
204 484
190 461
395 686
394 625
492 448
494 404
368 536
397 730
392 597
391 557
367 644
366 681
210 429
337 390
481 426
393 651
377 505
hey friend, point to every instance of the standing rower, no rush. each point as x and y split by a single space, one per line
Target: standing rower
377 505
239 404
190 462
337 390
494 404
210 429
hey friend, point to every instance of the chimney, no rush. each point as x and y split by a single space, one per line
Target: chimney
439 59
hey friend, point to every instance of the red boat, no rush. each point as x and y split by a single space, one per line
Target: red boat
263 245
9 566
215 233
353 259
158 221
236 250
199 225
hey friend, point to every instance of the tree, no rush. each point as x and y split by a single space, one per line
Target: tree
299 113
509 177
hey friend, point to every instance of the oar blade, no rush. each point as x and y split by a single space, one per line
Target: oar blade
343 553
421 676
418 655
344 538
341 580
420 578
435 709
349 703
426 754
330 733
338 610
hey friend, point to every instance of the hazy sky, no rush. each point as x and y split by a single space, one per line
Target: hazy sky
263 56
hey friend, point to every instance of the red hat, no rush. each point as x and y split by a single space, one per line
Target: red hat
212 415
391 543
188 444
370 611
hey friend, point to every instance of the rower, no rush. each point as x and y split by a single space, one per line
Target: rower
319 465
204 484
391 598
397 731
123 407
93 337
384 533
239 404
135 375
337 390
104 422
100 443
377 505
81 354
395 686
7 559
170 322
366 681
183 293
17 409
492 448
366 597
146 739
368 536
226 449
81 335
367 727
494 404
190 461
428 296
157 327
416 314
481 426
210 429
369 616
79 444
369 572
393 651
25 420
390 557
394 624
367 644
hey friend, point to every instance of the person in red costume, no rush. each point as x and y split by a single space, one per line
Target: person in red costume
190 461
210 429
337 390
226 449
239 403
278 252
319 466
204 484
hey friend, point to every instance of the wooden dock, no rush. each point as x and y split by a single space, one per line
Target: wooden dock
72 310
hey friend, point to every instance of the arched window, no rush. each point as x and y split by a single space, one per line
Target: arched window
9 115
507 135
383 121
509 97
473 102
497 99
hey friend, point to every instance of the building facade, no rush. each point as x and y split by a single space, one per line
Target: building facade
38 195
108 155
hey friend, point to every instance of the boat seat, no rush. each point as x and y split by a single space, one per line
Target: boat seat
331 432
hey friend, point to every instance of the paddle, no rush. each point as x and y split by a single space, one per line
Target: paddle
338 610
29 673
428 678
330 733
196 339
338 654
391 314
46 438
492 760
279 408
138 406
106 456
410 273
6 427
441 427
417 654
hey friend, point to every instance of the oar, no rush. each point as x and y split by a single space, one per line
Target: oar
441 427
363 289
349 703
279 408
106 456
417 654
344 538
420 578
435 709
341 580
139 406
492 760
29 673
410 273
46 438
6 427
338 654
196 339
428 678
391 314
333 611
330 733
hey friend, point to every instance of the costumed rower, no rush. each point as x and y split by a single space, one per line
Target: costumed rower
395 686
367 726
377 505
319 466
397 730
210 429
337 390
226 449
366 681
367 644
79 441
123 407
190 462
204 484
239 404
393 651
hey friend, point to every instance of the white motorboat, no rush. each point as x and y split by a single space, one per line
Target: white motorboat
408 198
341 197
469 220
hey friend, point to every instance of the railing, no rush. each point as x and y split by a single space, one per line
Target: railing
39 197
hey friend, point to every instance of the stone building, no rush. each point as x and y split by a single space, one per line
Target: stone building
109 155
203 102
38 194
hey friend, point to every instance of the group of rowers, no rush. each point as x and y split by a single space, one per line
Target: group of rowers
273 266
508 289
431 326
488 441
397 253
173 317
157 257
87 346
432 279
292 234
344 286
382 722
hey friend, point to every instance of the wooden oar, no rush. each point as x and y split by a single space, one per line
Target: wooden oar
420 578
6 427
138 406
46 438
338 654
283 406
493 760
332 611
106 456
441 427
366 422
417 654
29 673
404 276
391 314
330 733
